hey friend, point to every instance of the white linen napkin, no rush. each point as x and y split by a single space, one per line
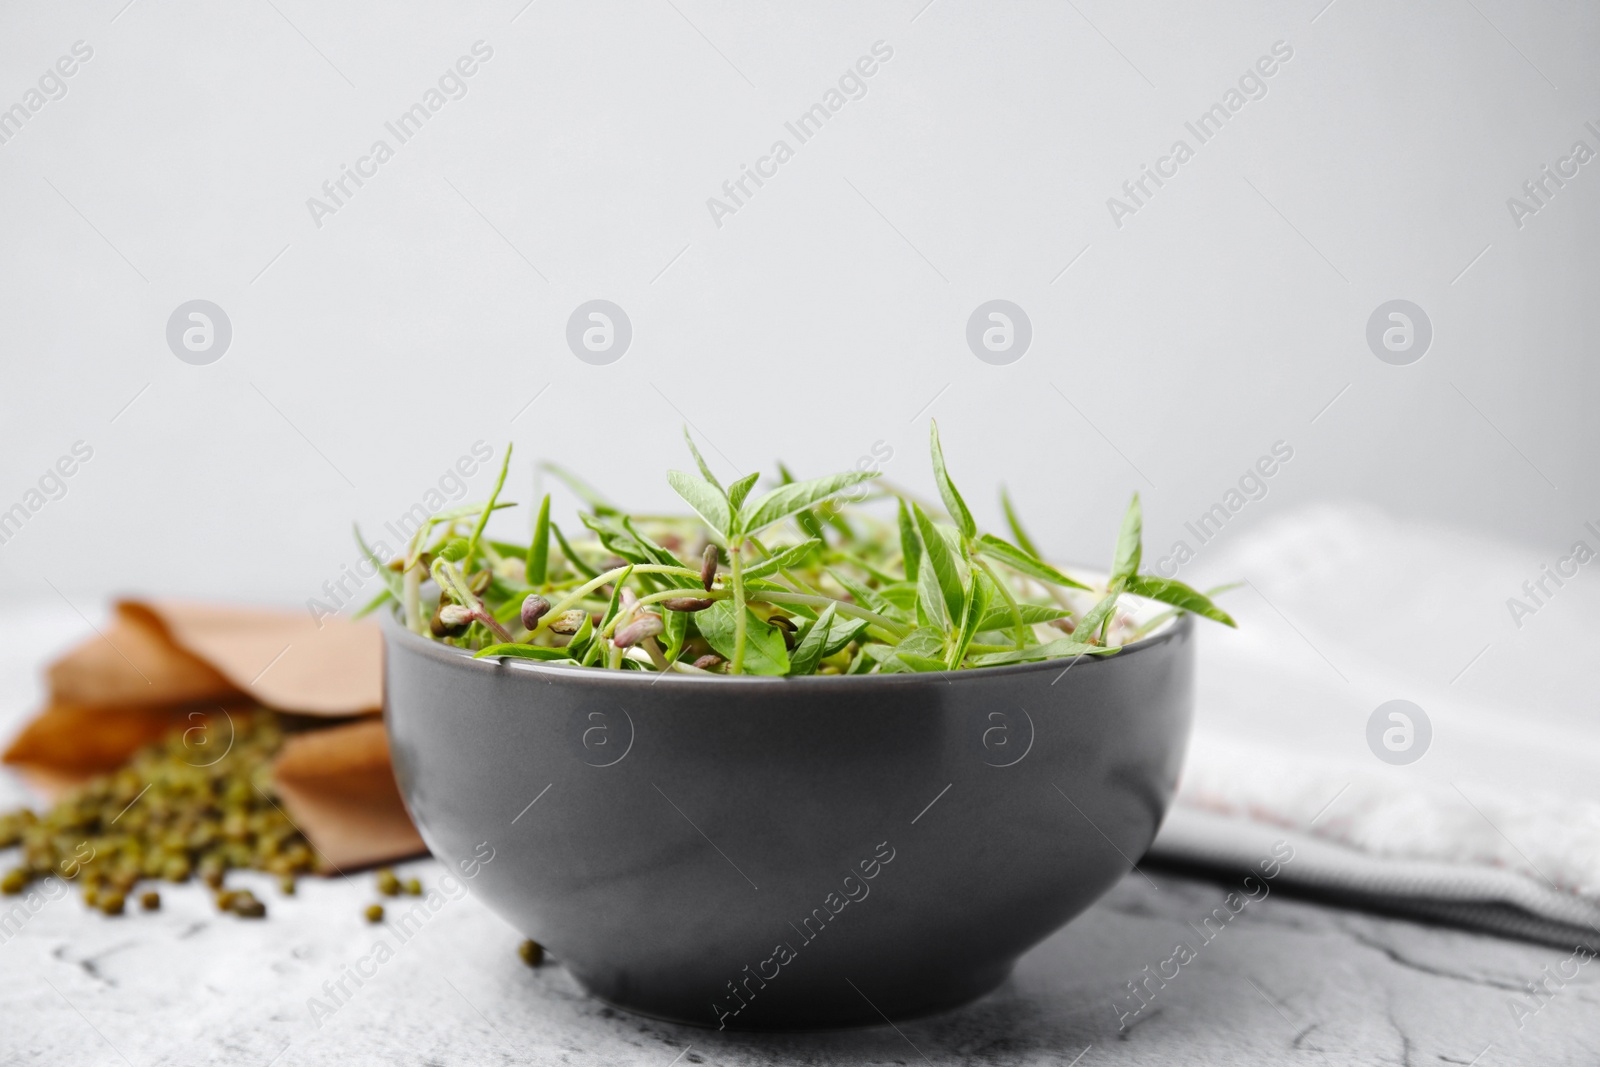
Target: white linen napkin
1497 824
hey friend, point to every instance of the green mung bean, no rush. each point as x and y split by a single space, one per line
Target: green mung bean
176 809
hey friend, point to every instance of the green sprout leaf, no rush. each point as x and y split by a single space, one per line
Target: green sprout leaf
942 563
391 580
915 663
537 564
615 538
764 651
864 595
538 652
616 599
841 633
1126 562
700 461
1097 618
1000 616
654 553
676 632
706 500
1024 562
1014 524
805 517
923 641
483 517
809 652
374 604
918 652
583 642
1171 591
931 607
466 511
947 488
1066 646
785 500
575 561
793 556
581 489
741 489
910 544
977 604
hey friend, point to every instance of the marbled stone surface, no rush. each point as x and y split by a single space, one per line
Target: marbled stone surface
1287 981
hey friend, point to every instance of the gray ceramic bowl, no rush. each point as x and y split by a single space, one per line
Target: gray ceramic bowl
788 853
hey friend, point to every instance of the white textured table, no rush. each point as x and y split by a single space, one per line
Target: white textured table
1287 981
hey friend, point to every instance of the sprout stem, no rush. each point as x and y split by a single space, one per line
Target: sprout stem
488 509
609 576
735 557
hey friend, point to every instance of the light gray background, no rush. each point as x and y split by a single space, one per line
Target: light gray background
829 313
827 316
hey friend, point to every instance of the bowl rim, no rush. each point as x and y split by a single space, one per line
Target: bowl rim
1174 630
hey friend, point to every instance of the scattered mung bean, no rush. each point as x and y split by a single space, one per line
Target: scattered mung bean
175 810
